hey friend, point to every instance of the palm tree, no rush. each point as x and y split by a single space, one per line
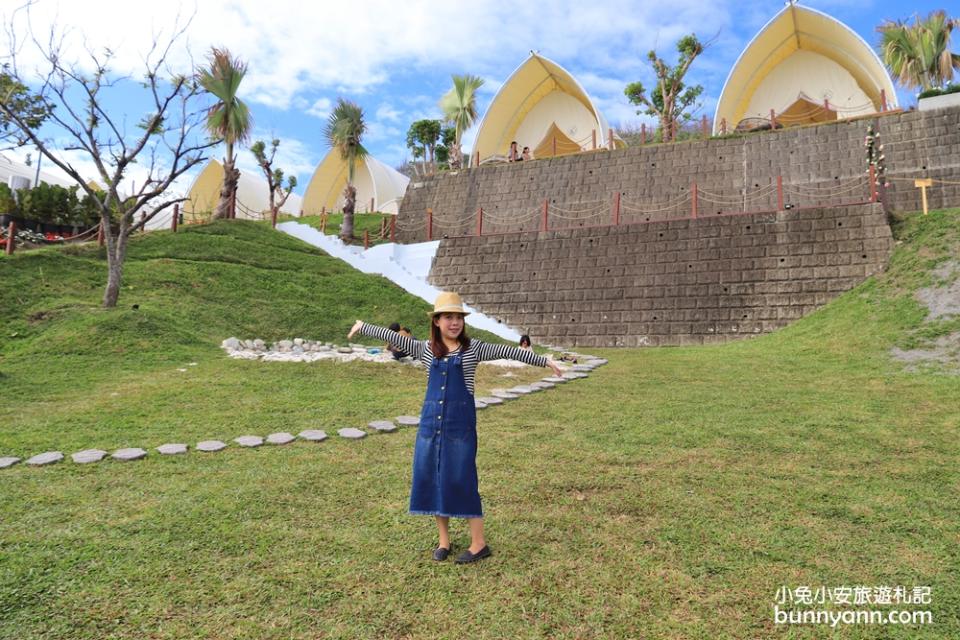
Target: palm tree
343 132
459 106
229 119
918 55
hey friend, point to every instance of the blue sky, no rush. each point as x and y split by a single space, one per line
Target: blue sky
395 58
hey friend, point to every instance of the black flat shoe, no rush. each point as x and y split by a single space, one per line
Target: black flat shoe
440 554
467 557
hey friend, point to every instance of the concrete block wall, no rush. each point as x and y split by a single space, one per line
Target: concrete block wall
669 282
819 165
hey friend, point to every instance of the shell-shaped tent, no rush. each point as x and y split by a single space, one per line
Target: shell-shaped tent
379 187
17 175
808 67
541 96
253 200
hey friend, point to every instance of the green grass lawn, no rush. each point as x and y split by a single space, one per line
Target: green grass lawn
667 496
369 222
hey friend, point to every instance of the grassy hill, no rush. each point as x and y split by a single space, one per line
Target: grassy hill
669 495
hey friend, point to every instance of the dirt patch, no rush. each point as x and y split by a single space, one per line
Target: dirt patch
942 300
39 316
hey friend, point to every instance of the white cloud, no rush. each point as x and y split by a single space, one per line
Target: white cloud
320 108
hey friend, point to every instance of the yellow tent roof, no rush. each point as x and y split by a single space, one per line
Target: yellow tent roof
801 51
537 94
373 180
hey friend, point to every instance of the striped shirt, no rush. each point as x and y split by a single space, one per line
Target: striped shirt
478 352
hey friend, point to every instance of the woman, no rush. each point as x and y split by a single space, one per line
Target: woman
445 481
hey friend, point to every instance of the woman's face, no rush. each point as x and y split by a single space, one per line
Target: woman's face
450 324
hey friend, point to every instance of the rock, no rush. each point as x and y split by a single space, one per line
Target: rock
582 367
575 375
284 345
259 345
522 389
8 461
479 404
248 344
555 379
313 435
408 421
50 457
132 453
172 449
599 362
489 400
344 350
540 384
297 349
298 342
281 437
89 455
249 441
382 425
506 395
351 433
211 446
230 344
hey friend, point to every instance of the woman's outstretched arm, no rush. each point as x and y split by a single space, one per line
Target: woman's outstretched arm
407 344
501 351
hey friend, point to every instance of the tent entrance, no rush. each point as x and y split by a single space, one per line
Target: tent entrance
555 143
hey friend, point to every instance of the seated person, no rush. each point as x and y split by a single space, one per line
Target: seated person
525 343
514 153
526 154
397 353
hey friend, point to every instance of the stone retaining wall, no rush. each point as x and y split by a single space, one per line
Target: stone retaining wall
667 283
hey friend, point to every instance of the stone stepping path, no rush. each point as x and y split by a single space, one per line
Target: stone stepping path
496 397
88 455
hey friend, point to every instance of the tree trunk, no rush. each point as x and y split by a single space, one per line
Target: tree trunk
349 203
116 254
231 175
456 156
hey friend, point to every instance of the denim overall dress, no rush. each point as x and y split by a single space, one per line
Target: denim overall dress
445 455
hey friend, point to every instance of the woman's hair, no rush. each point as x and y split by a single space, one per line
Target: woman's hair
524 339
437 346
394 326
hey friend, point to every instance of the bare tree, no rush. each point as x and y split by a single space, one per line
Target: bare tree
166 141
274 176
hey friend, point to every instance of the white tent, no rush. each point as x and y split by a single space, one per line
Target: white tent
253 199
379 187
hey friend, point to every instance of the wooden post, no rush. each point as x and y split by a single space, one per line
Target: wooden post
773 119
643 133
393 228
826 104
11 237
779 193
594 136
480 221
616 208
554 146
723 126
323 223
366 239
301 213
923 184
546 212
176 217
883 100
429 224
872 172
477 156
143 222
100 238
694 204
610 139
372 205
703 127
383 228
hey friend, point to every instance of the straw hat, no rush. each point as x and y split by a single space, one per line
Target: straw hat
448 302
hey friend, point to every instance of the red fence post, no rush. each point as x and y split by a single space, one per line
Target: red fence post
873 183
429 224
616 208
779 193
703 127
11 237
694 204
393 228
176 218
773 119
594 136
366 239
643 133
610 139
883 100
477 156
546 212
480 221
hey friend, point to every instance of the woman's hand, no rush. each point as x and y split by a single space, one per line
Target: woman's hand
355 328
557 371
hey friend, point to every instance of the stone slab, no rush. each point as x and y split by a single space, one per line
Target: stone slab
249 441
555 379
489 400
504 395
172 449
88 455
128 454
382 425
49 457
408 421
522 389
479 404
8 461
210 446
351 433
313 435
281 437
540 384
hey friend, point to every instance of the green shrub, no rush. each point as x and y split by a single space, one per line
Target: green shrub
938 91
8 204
